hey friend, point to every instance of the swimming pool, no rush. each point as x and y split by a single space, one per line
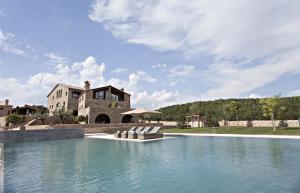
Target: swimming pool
182 164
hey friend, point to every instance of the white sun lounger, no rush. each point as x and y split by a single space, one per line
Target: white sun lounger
133 135
152 134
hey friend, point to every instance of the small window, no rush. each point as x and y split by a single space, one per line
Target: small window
76 94
1 108
100 95
66 93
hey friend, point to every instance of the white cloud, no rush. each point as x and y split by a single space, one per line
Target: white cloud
55 58
162 66
254 96
119 70
233 81
181 70
294 93
145 76
35 89
252 43
7 44
227 28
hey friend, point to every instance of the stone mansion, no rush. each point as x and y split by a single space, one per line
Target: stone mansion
98 105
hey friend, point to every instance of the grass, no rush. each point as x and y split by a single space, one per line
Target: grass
237 130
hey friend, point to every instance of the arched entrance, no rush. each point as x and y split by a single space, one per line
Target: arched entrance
127 119
102 118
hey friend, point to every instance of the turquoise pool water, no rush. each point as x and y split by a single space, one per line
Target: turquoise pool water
183 164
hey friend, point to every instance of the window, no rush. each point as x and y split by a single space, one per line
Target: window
75 94
100 95
1 108
120 106
66 93
114 97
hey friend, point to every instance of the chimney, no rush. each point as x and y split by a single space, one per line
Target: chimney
122 89
87 85
6 102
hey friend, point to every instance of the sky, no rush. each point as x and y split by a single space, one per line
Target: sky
163 52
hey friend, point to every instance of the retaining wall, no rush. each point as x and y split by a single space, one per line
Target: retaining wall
259 123
104 128
40 135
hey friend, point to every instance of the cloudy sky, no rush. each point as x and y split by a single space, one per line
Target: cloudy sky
161 51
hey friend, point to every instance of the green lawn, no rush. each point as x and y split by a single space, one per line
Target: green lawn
238 130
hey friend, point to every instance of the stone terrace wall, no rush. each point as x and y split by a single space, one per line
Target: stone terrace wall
259 123
40 135
104 128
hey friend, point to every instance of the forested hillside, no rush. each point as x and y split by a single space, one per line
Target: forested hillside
248 109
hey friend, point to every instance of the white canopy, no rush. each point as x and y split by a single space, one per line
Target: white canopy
140 112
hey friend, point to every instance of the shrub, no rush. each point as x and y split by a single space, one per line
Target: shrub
181 125
14 119
81 118
40 116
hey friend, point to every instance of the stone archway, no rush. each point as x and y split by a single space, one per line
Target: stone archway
102 118
127 119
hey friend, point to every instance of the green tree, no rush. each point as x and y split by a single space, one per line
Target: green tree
61 114
234 107
270 107
13 119
227 113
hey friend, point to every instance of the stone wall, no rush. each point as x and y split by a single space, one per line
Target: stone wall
5 110
90 107
40 135
2 121
259 123
104 128
66 99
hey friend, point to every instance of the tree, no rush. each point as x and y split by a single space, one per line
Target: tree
227 113
270 107
13 119
234 108
61 114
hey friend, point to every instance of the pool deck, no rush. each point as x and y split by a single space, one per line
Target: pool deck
112 137
234 135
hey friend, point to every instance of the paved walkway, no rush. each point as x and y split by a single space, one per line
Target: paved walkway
234 135
112 137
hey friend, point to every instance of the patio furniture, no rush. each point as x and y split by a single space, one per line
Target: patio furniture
124 134
133 134
152 134
118 134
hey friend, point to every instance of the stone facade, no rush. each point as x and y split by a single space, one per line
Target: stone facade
5 108
64 97
104 105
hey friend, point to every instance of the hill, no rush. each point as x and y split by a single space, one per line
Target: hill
250 109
